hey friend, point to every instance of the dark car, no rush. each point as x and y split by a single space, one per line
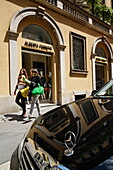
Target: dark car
75 136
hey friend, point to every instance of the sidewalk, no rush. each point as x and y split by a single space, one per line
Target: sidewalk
7 125
44 107
12 129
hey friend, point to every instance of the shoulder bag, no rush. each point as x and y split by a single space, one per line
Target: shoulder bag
25 91
38 90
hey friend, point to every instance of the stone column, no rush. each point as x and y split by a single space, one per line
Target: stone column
62 74
93 72
112 68
13 60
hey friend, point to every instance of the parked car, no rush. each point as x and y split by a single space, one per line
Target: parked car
75 136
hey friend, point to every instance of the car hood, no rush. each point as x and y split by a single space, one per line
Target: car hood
76 133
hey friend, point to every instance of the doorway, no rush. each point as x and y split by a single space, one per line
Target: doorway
43 63
100 75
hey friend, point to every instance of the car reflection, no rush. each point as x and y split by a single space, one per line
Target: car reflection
75 136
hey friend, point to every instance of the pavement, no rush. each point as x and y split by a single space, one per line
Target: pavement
44 107
13 126
13 120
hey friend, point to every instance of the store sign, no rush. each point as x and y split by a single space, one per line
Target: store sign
38 46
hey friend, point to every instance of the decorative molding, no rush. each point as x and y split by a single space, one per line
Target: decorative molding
40 11
61 47
12 35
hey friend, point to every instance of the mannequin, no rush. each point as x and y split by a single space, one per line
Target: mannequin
43 83
50 85
42 78
41 74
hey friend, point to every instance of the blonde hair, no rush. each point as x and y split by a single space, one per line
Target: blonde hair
34 72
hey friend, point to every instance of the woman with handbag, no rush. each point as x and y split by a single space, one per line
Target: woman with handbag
20 99
34 81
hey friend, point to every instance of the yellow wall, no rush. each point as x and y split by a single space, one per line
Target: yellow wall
108 3
76 82
7 10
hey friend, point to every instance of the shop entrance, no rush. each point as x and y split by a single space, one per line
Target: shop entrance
42 62
101 66
100 75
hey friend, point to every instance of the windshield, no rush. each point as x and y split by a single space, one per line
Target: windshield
106 90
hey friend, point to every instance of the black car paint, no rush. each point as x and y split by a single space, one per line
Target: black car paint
90 119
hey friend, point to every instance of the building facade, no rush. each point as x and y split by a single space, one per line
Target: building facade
71 49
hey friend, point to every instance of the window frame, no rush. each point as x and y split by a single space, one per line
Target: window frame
28 34
72 69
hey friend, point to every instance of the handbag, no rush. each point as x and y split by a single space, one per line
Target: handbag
38 90
25 91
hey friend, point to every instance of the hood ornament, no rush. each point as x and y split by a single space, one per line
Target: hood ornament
70 143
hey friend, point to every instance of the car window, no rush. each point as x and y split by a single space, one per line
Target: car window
106 90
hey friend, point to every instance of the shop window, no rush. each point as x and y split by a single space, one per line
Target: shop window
100 55
36 33
100 67
78 48
100 52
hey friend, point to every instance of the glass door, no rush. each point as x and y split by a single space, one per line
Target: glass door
100 75
44 66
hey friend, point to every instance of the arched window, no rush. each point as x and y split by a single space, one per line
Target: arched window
100 67
36 33
100 52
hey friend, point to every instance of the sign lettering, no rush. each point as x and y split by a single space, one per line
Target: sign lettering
37 46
